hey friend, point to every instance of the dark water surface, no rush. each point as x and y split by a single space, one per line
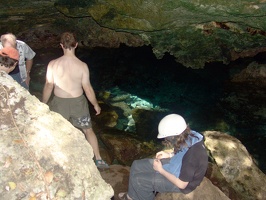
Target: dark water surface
193 93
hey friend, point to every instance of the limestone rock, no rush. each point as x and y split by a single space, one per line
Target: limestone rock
244 105
180 28
236 165
147 122
206 190
108 115
125 147
254 74
42 155
118 177
216 177
194 32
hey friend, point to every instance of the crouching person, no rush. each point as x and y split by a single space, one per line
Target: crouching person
180 170
9 57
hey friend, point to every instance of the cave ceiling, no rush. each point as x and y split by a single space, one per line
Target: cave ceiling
195 32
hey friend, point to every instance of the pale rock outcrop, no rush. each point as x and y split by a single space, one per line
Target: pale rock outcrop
236 165
42 155
206 190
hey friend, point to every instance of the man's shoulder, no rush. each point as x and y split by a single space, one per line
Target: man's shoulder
21 43
53 62
24 46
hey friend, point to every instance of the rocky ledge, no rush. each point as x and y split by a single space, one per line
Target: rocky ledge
45 157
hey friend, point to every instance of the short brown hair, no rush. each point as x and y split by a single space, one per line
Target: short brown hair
9 56
68 40
7 61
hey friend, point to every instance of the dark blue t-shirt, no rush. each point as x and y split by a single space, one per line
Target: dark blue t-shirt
194 166
15 71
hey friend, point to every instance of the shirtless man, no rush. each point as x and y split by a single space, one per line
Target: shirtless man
69 77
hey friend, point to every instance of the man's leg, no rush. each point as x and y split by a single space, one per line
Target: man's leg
80 118
17 78
23 84
92 139
144 181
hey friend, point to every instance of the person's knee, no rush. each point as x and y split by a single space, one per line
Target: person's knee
87 130
139 163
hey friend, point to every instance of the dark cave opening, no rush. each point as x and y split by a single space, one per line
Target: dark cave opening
196 94
192 93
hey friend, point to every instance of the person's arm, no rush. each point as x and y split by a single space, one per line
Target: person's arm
29 64
87 87
49 84
157 166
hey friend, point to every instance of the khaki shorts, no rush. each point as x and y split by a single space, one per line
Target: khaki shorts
75 110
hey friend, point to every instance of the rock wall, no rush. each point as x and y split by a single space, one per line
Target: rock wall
194 32
42 155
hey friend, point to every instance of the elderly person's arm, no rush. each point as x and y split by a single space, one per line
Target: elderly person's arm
29 64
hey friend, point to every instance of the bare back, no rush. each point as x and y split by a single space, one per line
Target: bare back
67 74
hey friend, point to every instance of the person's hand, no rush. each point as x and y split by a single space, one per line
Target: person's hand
162 154
97 108
157 165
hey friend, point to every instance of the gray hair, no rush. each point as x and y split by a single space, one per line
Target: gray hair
9 38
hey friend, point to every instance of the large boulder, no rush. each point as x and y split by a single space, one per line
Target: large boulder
118 177
125 147
206 190
231 174
246 89
236 165
43 156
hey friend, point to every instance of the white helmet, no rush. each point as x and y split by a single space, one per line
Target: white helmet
171 125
